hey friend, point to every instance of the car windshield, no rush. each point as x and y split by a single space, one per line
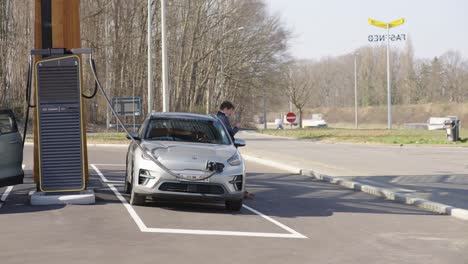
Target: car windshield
187 130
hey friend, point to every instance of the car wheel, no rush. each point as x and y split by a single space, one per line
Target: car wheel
137 199
128 184
128 187
235 205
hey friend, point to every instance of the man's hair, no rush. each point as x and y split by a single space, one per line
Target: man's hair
226 104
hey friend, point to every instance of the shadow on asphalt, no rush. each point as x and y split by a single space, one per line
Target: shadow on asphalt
286 195
201 208
450 189
18 200
281 195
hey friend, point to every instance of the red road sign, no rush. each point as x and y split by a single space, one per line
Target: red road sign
291 117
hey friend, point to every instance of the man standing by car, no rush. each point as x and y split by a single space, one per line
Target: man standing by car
225 111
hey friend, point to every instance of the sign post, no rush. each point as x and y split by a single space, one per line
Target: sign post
388 26
127 107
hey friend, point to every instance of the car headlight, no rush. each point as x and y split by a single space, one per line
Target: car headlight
146 155
234 160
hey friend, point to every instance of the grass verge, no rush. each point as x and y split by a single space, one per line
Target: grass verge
382 136
379 136
107 138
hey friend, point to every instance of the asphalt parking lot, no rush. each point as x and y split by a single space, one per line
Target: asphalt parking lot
292 219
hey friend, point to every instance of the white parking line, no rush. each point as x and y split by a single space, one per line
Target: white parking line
116 182
103 164
99 173
141 225
5 195
290 230
143 228
220 233
106 180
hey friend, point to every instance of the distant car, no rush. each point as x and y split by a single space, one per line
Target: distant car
192 147
11 150
314 123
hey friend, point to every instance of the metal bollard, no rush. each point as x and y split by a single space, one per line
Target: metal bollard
453 130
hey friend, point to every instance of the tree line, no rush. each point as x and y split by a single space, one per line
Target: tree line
222 50
329 82
217 50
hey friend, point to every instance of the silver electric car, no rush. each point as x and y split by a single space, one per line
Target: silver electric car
11 150
199 159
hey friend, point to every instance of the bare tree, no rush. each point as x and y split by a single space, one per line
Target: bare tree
222 50
301 85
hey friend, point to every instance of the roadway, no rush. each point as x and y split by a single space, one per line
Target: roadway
292 219
435 173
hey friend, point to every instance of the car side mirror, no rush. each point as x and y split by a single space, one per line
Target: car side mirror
134 135
238 142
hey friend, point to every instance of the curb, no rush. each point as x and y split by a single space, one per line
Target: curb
83 198
427 205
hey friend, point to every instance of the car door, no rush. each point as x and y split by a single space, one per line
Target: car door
11 150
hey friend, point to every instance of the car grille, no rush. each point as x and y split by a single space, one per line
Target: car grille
191 188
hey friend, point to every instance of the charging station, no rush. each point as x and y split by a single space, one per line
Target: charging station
60 152
60 124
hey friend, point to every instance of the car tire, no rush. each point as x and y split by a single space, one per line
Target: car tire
137 199
128 184
234 205
128 187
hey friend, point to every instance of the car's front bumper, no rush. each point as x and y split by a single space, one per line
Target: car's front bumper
227 185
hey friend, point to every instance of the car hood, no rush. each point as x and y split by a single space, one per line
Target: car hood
188 156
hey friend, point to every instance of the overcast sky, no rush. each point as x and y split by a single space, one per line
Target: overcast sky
335 27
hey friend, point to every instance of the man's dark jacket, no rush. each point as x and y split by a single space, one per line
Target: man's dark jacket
232 130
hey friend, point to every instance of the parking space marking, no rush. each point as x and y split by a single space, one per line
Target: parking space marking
143 228
5 195
113 165
99 173
141 225
221 233
106 180
290 230
116 182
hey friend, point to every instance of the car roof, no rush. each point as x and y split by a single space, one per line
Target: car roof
181 115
